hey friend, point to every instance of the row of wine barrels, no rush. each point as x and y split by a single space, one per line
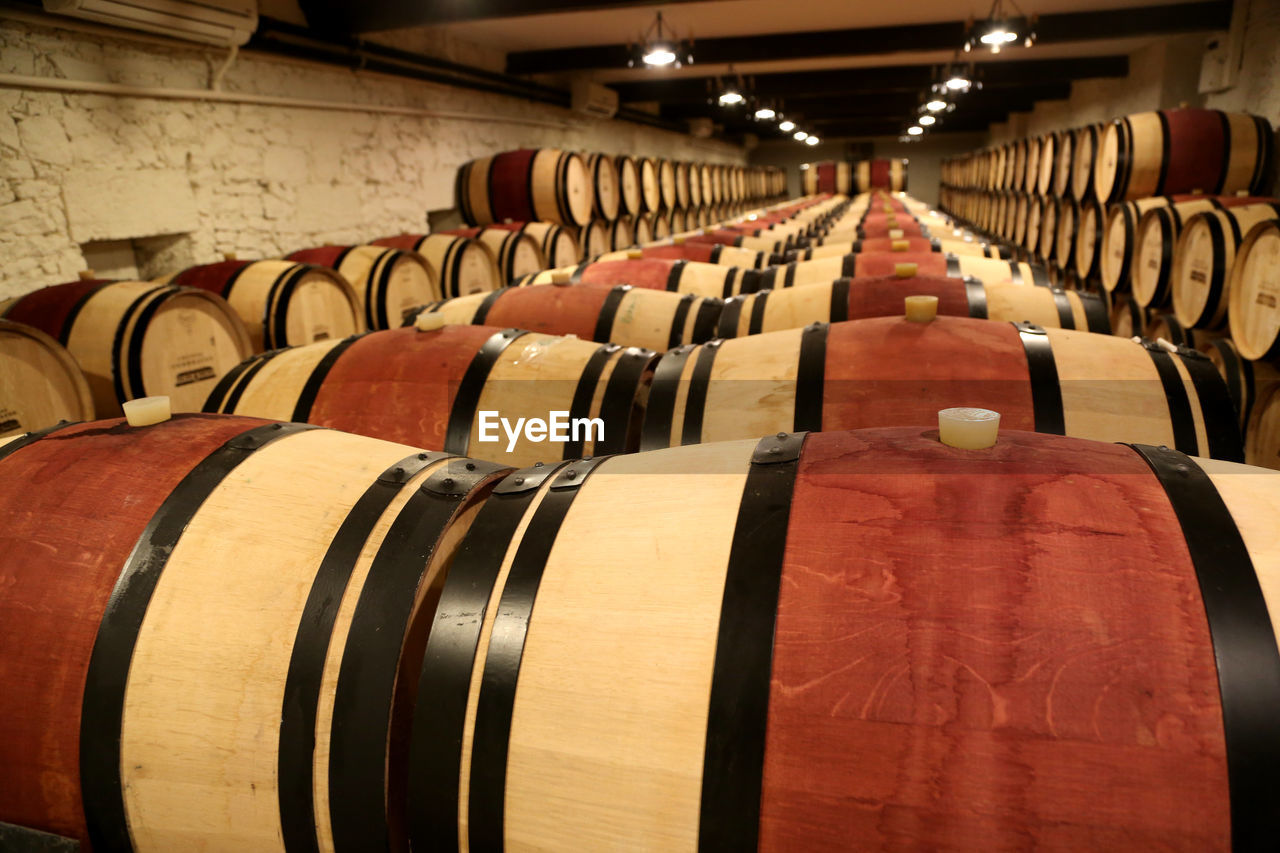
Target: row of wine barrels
1120 238
1180 151
1058 164
282 303
210 639
559 245
905 264
40 383
827 176
138 339
889 370
1253 308
881 174
1248 382
793 640
862 298
1128 318
650 273
528 185
645 185
620 313
517 252
461 265
1204 259
823 249
445 390
388 281
708 253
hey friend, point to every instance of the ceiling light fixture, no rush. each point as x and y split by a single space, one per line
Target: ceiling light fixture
658 49
800 135
787 126
812 140
765 113
926 120
936 106
1000 29
731 97
915 130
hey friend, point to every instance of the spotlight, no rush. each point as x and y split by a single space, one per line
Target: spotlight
765 113
659 54
812 140
800 135
787 126
915 130
730 97
926 120
936 106
959 82
657 49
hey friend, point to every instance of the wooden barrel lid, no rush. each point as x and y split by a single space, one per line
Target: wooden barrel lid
40 383
604 176
578 185
650 189
629 185
1254 292
1262 436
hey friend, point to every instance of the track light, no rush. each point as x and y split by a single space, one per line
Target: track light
658 50
787 126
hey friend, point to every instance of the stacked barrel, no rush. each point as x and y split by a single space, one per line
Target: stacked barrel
826 176
829 524
1164 213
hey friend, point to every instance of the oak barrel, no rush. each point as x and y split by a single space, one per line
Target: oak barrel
558 244
282 303
605 192
216 624
1262 439
1204 258
652 273
139 339
528 185
432 388
1247 381
710 253
517 252
1091 220
888 370
462 265
667 184
1157 235
874 264
388 281
1253 300
1085 144
854 641
40 383
630 199
650 188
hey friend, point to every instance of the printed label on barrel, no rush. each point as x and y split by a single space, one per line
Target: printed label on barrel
1266 299
10 421
189 369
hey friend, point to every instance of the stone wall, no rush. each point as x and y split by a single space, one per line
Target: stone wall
143 185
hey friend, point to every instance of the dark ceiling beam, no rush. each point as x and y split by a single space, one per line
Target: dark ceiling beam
861 81
873 41
369 15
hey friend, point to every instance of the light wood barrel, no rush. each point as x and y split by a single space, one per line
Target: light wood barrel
620 314
1262 439
1086 142
1048 246
683 186
40 383
875 264
1048 164
1066 228
1182 151
462 265
282 303
1164 324
708 253
630 198
139 339
622 233
1204 259
1120 239
678 222
659 224
737 239
859 298
529 185
667 184
849 607
888 370
226 656
558 244
517 252
706 184
1032 176
388 281
1091 222
881 174
643 226
1019 164
606 194
1157 235
432 388
825 249
1128 318
1247 381
652 273
596 238
650 188
1031 229
1253 298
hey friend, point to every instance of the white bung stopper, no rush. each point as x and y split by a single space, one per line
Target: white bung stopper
896 234
968 429
429 321
905 270
635 254
562 277
921 309
146 411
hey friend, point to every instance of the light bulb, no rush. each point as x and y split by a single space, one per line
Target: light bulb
927 120
660 54
957 82
731 97
915 130
787 126
765 113
936 106
800 135
812 140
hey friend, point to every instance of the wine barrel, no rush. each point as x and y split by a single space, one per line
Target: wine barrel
433 388
667 184
897 618
823 249
1031 230
1204 258
1182 151
1262 439
214 657
1128 318
651 273
875 264
684 188
620 314
1253 300
1164 325
462 265
1091 220
1048 164
388 281
1120 239
678 222
1157 234
596 237
605 195
557 243
1019 164
518 252
1247 382
650 188
281 303
1085 146
739 240
1032 176
708 253
40 383
629 194
643 225
859 298
138 339
528 185
706 184
881 174
1067 229
659 225
888 370
1047 247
